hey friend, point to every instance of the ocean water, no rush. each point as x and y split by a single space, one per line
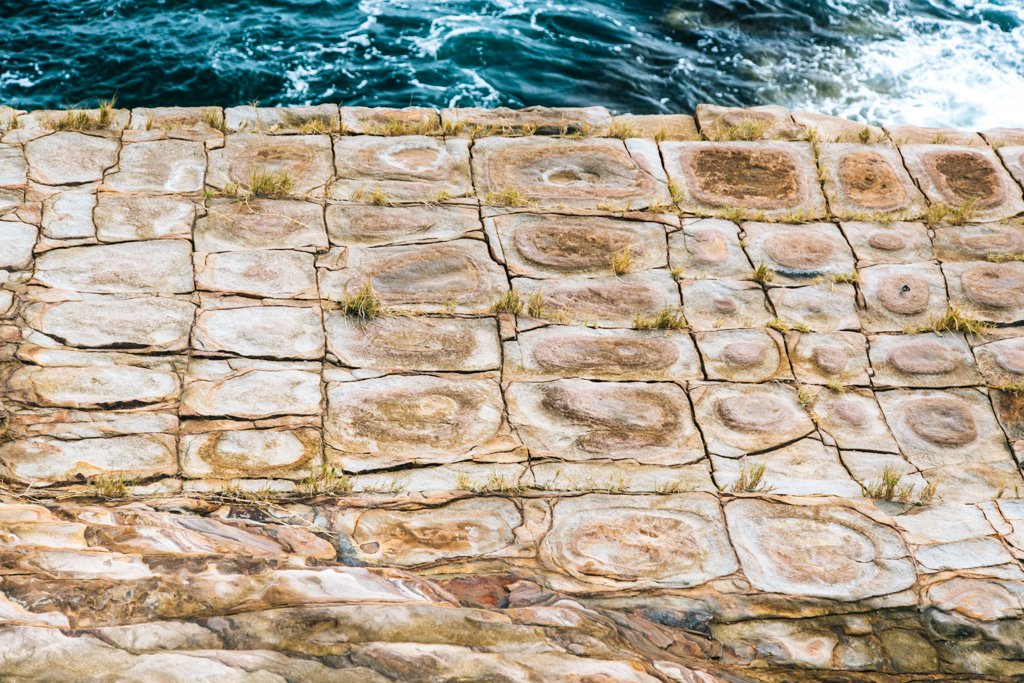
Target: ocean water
932 62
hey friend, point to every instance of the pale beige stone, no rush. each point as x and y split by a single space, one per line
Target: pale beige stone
657 126
65 158
901 296
995 242
140 217
898 242
975 599
986 291
305 159
1001 362
618 476
804 468
272 273
250 390
918 135
17 241
577 419
757 355
601 301
413 168
48 460
922 360
819 308
527 121
159 166
261 331
724 304
716 121
798 254
230 225
163 266
143 323
13 168
321 118
853 420
291 453
91 387
709 248
746 418
68 215
370 225
389 121
837 358
838 129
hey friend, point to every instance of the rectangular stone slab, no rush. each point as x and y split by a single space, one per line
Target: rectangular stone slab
284 332
304 159
250 389
862 181
230 225
363 225
158 266
273 453
413 168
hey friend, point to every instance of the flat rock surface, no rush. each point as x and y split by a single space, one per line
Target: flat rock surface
374 395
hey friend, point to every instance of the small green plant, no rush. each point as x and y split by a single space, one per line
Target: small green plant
864 135
535 305
326 481
846 278
215 120
510 302
676 271
620 130
364 304
108 487
782 326
441 196
235 492
497 483
269 184
377 197
958 215
747 129
509 196
667 488
751 480
955 320
668 318
888 486
1005 258
622 261
106 115
394 127
763 274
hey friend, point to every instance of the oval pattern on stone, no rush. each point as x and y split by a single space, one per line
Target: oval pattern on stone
626 355
904 293
887 241
799 251
870 181
818 551
942 421
918 357
997 285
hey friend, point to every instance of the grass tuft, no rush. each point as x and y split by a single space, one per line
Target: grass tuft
510 302
622 261
509 196
621 130
751 480
326 482
364 304
889 486
269 184
1005 258
955 320
763 274
105 486
377 197
748 129
939 212
669 318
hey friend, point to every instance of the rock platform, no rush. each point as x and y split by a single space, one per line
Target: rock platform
375 395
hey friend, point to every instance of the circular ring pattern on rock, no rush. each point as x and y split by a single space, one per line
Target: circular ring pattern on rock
572 246
887 241
709 246
921 357
904 294
799 250
850 411
1010 356
575 353
831 358
997 285
942 421
746 353
754 412
970 176
871 181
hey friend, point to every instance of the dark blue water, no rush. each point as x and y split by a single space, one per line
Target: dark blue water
924 61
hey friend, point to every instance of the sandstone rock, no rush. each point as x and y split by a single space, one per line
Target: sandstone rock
972 554
776 178
48 460
979 242
602 354
304 159
602 301
526 121
410 419
413 343
1013 158
868 179
65 158
872 469
261 331
899 297
574 173
970 482
944 427
838 358
803 468
187 123
850 558
140 323
91 387
273 273
714 304
922 361
963 176
742 418
261 224
405 169
159 166
709 248
13 168
10 199
975 599
292 453
917 135
389 121
657 126
369 225
611 542
130 217
163 266
837 129
617 477
68 215
577 419
716 122
853 420
17 241
1001 362
250 389
552 245
819 308
744 355
321 118
988 291
898 242
798 254
456 276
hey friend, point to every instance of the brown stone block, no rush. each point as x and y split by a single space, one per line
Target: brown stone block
304 159
986 242
837 129
868 180
838 358
389 121
757 355
964 176
904 296
774 178
657 126
875 243
917 360
988 291
853 420
917 135
365 225
724 304
819 308
241 452
708 248
798 254
413 168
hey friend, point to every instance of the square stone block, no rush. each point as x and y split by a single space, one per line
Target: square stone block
321 118
757 355
720 123
918 135
962 176
267 331
875 243
231 225
122 218
948 427
1013 158
13 167
414 343
271 273
818 308
1001 362
157 267
389 121
922 360
17 241
479 122
975 482
748 418
868 180
553 245
600 301
578 420
399 419
798 254
724 304
852 420
804 468
413 168
250 389
223 450
708 248
602 354
984 242
66 158
586 173
774 178
305 159
837 129
367 225
69 215
143 324
838 358
900 297
987 291
457 276
159 166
